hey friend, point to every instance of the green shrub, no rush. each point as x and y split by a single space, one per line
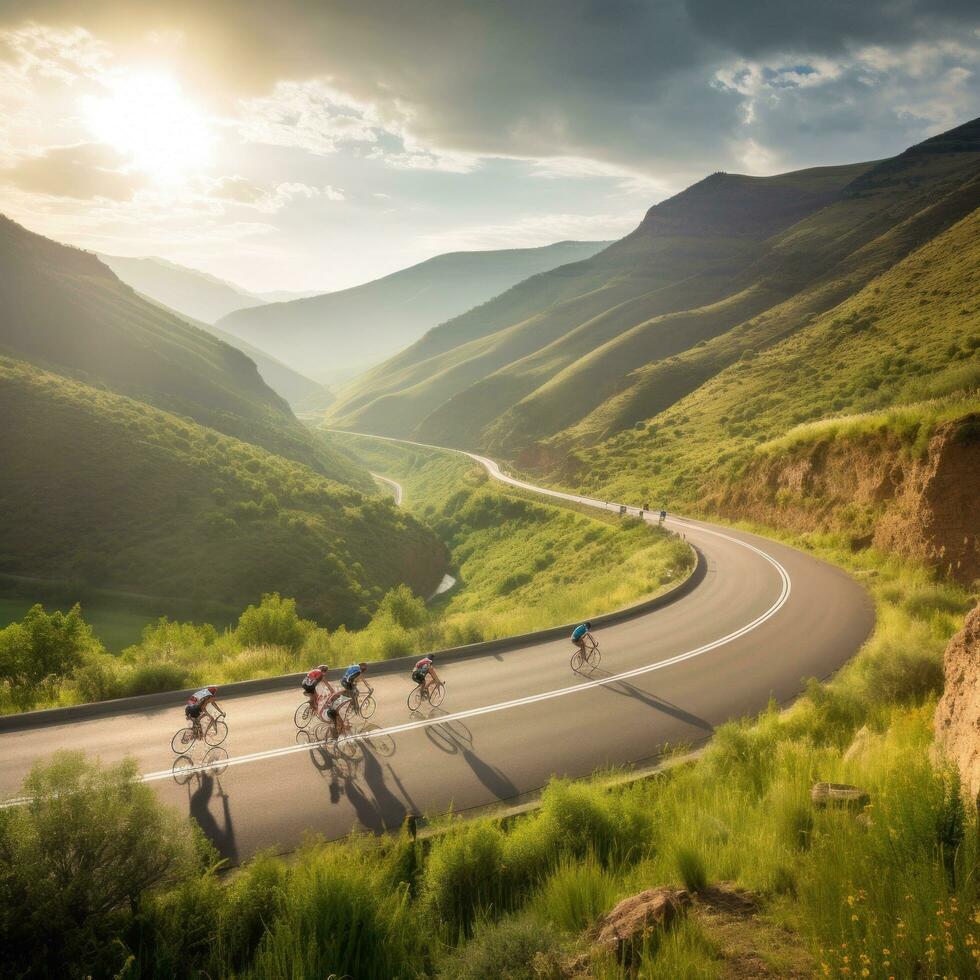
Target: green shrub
337 918
463 876
43 646
576 895
274 622
508 950
75 861
691 868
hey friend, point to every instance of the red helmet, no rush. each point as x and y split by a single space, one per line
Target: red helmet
213 690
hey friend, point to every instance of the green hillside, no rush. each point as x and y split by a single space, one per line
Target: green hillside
101 489
723 270
338 334
62 309
910 337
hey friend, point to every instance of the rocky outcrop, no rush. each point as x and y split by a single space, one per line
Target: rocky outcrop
877 490
958 712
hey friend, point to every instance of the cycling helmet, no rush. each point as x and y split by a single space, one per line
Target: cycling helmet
213 690
363 667
588 626
323 668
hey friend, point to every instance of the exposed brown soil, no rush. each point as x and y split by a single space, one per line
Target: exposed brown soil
924 508
958 712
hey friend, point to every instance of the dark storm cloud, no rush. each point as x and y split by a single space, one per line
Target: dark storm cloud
630 83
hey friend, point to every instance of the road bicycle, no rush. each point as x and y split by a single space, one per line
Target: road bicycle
212 729
421 692
364 706
215 761
590 657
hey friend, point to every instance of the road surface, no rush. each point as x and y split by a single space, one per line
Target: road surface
764 618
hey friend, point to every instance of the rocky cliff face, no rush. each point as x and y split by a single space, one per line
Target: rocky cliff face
958 711
924 508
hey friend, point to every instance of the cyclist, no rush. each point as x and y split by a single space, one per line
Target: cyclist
579 634
335 707
424 673
350 678
314 677
196 703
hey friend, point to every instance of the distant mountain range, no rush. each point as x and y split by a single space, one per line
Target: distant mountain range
186 291
333 336
728 268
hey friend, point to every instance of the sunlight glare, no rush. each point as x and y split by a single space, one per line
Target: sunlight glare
148 118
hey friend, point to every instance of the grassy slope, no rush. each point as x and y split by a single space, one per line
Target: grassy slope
685 252
352 328
64 310
106 490
513 554
910 335
701 282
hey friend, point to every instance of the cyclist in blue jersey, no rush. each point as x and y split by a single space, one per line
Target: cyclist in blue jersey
578 637
351 676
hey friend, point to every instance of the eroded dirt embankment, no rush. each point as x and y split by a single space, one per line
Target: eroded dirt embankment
958 711
873 487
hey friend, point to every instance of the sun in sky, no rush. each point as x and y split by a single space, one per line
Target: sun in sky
148 118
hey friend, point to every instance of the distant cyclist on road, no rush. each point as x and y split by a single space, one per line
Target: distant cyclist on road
424 673
196 703
578 637
663 515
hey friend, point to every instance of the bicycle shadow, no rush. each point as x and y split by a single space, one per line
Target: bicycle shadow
379 809
222 834
450 737
662 705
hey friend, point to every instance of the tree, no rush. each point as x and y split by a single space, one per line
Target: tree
75 861
274 622
43 645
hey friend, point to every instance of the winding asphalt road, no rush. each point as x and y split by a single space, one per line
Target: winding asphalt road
764 617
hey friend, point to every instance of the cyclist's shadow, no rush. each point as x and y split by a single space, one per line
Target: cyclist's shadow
222 835
454 738
661 704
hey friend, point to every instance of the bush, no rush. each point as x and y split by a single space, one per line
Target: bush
505 951
691 868
576 895
75 861
44 645
274 622
463 875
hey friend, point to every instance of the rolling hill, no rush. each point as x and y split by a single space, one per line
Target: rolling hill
186 291
335 335
102 490
721 272
64 310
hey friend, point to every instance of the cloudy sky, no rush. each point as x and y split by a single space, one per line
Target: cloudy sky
301 145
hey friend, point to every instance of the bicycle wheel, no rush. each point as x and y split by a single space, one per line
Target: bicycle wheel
216 733
594 657
367 707
347 746
577 661
182 740
183 769
216 760
436 694
415 698
303 715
